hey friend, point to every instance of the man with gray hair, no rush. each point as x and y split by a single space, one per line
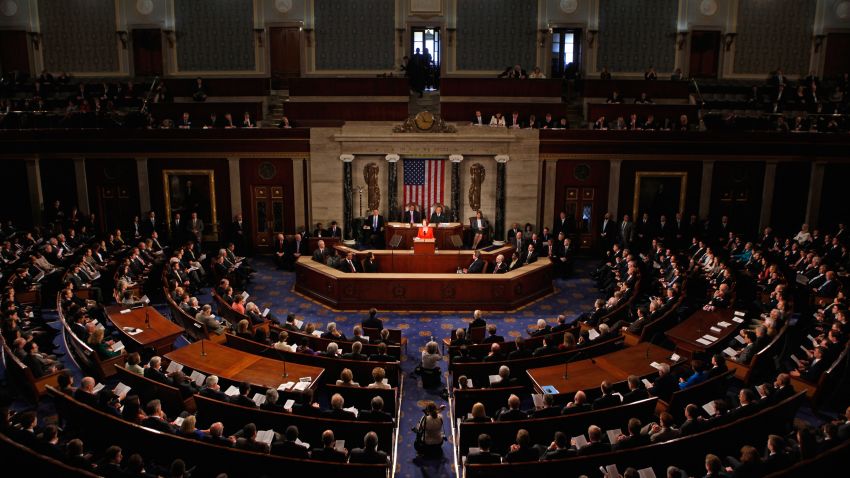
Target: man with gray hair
504 379
212 389
665 384
542 329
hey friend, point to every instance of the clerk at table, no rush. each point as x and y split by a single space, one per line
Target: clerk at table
426 231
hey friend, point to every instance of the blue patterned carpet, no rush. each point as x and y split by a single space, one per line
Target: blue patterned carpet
273 289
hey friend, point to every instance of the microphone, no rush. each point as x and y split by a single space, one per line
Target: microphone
201 328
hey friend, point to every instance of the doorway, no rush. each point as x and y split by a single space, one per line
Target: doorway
147 52
705 53
284 55
566 52
836 62
268 214
14 54
426 38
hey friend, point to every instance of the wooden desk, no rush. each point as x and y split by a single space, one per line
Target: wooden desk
160 335
685 334
440 262
589 373
237 366
442 234
423 290
659 111
631 89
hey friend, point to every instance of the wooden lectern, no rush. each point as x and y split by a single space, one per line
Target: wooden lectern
424 247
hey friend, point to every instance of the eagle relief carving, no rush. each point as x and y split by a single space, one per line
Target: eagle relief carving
476 175
370 175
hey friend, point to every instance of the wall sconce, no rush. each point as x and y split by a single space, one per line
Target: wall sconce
260 33
400 32
123 36
171 36
451 35
818 41
35 38
591 36
681 38
308 32
728 40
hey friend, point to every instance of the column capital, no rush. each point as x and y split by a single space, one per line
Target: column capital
392 158
346 158
502 158
455 158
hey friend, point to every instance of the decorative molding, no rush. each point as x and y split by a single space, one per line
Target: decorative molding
568 6
144 7
346 158
502 158
456 158
283 6
392 158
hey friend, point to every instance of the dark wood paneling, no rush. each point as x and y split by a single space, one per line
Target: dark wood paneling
837 61
834 206
113 191
348 87
13 51
790 195
465 112
705 53
249 171
612 111
631 89
147 52
499 87
14 194
222 184
628 171
346 111
221 86
736 192
58 182
566 178
285 52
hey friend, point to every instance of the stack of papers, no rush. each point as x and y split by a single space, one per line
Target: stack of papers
675 357
298 323
716 329
179 421
738 320
537 399
730 351
265 436
709 408
724 324
98 388
301 386
494 379
702 341
646 473
710 338
740 339
655 365
285 386
339 445
124 311
245 294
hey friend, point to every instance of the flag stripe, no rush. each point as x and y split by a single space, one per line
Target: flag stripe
424 182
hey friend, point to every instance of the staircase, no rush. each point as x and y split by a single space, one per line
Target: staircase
575 115
430 101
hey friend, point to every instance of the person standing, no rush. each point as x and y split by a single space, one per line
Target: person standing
431 429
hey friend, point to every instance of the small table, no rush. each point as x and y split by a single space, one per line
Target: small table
686 334
424 247
156 330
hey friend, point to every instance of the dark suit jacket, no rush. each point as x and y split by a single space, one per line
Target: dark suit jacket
527 258
159 424
508 415
374 416
476 267
485 457
436 219
631 441
522 454
664 387
557 454
416 217
606 401
500 268
594 448
328 454
289 449
370 223
375 457
373 323
635 395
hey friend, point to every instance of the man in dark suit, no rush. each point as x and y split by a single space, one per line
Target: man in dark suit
512 412
478 119
246 439
578 405
288 447
608 398
477 265
665 384
512 232
150 224
376 413
375 224
492 338
547 348
529 255
154 371
156 418
328 452
242 399
608 231
561 225
549 409
411 216
513 121
636 390
627 232
693 423
500 266
334 230
373 322
336 410
321 253
350 264
212 389
438 216
815 368
634 439
369 454
595 444
293 250
483 455
522 451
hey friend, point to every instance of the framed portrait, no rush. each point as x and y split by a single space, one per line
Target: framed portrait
659 193
191 190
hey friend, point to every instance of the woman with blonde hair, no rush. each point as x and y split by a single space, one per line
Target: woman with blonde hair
479 414
346 378
378 377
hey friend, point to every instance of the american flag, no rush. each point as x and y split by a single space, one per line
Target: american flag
423 182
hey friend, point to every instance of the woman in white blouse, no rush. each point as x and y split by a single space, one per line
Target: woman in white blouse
497 121
378 376
803 237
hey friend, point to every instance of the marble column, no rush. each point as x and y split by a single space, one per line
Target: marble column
235 190
767 194
815 187
705 188
347 207
614 187
392 185
499 227
455 159
144 189
82 185
35 192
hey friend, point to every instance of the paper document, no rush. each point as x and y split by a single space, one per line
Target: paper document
301 386
339 445
796 360
646 473
121 389
740 313
724 324
265 436
738 320
285 386
537 399
198 378
740 340
646 383
97 388
266 312
675 357
298 323
613 434
117 346
710 338
173 367
655 365
299 442
287 405
730 351
245 294
259 399
125 311
231 391
709 408
716 329
179 421
352 410
580 442
494 379
703 341
592 334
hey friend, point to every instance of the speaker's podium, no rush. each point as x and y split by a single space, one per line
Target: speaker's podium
423 247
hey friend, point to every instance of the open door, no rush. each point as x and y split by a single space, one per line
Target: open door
147 52
705 54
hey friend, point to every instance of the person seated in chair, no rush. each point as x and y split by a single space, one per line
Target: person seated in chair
479 226
438 216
